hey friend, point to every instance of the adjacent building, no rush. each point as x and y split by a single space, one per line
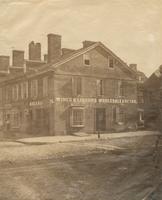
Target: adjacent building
141 79
85 90
153 97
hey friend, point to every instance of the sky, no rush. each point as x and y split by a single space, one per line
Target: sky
132 29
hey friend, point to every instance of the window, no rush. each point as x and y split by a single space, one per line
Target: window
77 86
77 117
118 115
24 90
86 59
141 116
140 78
34 88
50 86
140 97
15 119
121 89
7 94
100 87
45 86
0 94
15 92
110 62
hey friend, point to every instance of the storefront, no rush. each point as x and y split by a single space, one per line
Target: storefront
91 114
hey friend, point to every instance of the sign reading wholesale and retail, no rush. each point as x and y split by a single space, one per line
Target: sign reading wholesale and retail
95 100
85 100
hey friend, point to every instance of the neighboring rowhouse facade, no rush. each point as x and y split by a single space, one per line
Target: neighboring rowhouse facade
85 90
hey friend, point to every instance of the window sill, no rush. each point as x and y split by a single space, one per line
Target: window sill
87 65
77 126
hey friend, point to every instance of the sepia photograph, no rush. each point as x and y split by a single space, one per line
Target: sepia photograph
80 99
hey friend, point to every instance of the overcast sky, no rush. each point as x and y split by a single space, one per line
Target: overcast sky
130 28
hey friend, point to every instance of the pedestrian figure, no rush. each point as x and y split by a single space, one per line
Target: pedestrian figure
98 134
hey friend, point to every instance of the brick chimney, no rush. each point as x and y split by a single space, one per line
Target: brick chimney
4 63
34 51
133 66
87 43
54 47
17 58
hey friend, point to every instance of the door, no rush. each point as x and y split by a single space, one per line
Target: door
100 119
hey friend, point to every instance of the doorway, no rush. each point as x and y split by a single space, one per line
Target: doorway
100 119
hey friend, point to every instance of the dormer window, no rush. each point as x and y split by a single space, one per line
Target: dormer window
86 59
110 62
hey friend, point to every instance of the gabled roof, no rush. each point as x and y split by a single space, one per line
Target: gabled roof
87 49
155 80
68 57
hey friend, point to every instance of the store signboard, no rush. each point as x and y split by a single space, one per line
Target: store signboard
95 100
35 103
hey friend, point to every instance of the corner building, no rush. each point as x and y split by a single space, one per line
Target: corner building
85 90
94 90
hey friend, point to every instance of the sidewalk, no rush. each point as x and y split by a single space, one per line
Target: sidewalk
71 138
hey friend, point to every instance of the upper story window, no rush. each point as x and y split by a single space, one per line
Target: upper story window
0 94
45 86
100 87
86 59
34 88
110 62
24 90
15 92
140 97
121 89
77 86
7 94
140 78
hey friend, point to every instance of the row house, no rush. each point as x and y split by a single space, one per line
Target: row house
85 90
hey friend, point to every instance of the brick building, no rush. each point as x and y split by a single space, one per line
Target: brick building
141 79
152 96
88 89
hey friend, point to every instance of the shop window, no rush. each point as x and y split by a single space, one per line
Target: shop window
121 116
15 119
77 117
45 86
100 87
34 88
77 86
118 115
86 59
